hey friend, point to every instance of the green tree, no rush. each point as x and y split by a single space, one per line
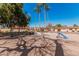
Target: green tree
75 26
13 14
58 26
5 13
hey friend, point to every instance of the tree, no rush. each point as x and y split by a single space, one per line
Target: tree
20 17
38 10
5 13
12 14
46 8
75 26
58 26
49 26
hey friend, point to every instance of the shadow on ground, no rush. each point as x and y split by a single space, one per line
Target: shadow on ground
59 49
25 51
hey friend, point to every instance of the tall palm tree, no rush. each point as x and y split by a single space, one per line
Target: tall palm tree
38 10
46 8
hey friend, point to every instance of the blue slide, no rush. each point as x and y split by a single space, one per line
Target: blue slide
64 35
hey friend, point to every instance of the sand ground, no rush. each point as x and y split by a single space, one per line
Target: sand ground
37 45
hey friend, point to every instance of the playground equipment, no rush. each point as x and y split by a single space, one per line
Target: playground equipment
62 35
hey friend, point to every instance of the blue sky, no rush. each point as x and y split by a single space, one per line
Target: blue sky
59 13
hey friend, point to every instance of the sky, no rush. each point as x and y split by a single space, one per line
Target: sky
59 13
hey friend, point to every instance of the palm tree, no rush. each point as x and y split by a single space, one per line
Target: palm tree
46 8
38 10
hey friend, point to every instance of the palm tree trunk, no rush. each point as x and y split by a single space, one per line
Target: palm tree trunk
39 21
45 18
35 25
